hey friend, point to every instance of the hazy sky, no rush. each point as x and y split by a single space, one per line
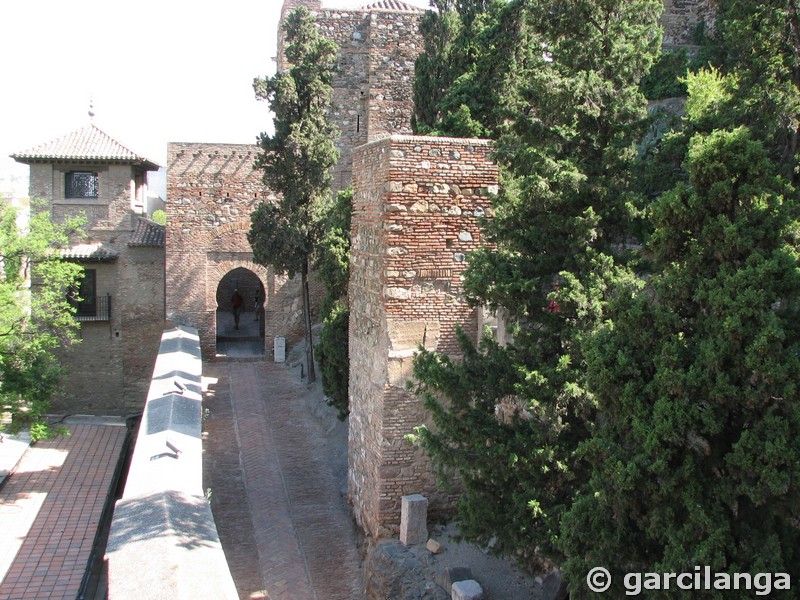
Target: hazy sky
156 70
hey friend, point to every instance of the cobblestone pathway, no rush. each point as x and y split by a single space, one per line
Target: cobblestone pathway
282 521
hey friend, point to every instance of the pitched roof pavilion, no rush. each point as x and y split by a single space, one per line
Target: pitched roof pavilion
88 144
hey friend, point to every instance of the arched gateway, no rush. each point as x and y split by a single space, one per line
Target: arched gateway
245 334
211 191
417 209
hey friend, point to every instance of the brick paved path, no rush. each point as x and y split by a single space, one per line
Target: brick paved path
49 511
266 466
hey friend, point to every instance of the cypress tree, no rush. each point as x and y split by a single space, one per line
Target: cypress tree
695 369
333 267
297 158
572 116
455 85
695 374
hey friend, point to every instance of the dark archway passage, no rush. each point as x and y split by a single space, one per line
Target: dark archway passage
248 339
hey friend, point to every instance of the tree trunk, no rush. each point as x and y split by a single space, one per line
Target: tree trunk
312 375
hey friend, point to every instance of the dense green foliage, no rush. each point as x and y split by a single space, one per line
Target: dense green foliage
656 383
456 89
695 373
33 322
695 370
297 158
573 118
665 78
160 217
333 267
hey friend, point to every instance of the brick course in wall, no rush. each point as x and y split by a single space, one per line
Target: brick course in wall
416 214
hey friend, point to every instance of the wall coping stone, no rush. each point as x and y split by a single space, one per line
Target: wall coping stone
402 138
163 541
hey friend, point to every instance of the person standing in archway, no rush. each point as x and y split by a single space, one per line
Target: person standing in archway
257 305
237 302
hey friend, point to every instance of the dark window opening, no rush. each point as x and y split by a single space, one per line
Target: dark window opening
81 184
84 296
88 305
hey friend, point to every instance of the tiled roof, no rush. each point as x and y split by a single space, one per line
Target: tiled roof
393 5
90 252
148 234
88 143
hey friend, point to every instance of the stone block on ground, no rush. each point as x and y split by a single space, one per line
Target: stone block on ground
446 578
468 589
414 520
433 546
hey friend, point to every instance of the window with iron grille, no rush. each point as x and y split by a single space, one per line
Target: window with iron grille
81 184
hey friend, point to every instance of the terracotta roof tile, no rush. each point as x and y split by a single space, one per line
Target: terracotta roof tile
148 234
90 252
88 143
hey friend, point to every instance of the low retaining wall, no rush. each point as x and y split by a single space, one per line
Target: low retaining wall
163 541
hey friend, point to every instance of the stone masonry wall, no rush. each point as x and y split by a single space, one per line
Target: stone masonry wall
416 207
350 86
211 191
394 43
372 89
368 334
681 18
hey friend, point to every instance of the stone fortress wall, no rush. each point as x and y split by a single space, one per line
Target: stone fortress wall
211 191
415 218
417 206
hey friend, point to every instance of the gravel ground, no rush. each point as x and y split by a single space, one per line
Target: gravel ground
499 578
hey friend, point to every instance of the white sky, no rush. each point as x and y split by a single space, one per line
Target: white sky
157 71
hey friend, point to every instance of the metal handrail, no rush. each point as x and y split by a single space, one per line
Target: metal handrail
97 308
